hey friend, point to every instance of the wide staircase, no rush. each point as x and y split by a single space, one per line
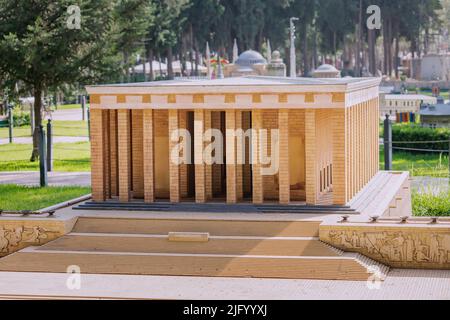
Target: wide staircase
195 247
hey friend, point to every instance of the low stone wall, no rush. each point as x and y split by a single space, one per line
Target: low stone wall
412 245
19 233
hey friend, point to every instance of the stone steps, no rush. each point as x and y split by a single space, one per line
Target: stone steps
113 205
193 247
283 246
215 227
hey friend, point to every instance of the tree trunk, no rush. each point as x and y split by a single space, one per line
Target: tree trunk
144 65
426 40
150 59
396 49
37 121
306 68
372 55
288 61
314 49
170 63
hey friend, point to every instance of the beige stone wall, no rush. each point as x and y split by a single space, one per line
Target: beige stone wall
162 188
411 245
362 132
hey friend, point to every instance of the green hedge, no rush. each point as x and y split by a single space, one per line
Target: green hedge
411 132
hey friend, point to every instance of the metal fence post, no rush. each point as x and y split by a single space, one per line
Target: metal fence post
11 123
449 161
42 158
387 144
49 146
83 108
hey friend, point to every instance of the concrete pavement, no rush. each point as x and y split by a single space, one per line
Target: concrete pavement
68 115
400 284
58 139
31 178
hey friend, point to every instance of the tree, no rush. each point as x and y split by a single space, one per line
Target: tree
132 19
168 24
202 16
40 47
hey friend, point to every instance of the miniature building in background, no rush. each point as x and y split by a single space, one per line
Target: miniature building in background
276 67
252 63
436 115
326 71
328 147
393 104
435 67
248 63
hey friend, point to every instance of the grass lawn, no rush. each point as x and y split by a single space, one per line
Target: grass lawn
429 204
60 128
13 197
68 157
433 165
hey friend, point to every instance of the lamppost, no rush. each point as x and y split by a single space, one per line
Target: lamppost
293 65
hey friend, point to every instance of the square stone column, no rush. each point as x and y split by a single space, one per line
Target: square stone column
113 153
230 124
98 172
284 177
310 157
174 168
339 174
208 167
148 152
257 181
123 124
240 153
106 154
200 181
137 161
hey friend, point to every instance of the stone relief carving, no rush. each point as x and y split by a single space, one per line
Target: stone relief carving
401 247
13 237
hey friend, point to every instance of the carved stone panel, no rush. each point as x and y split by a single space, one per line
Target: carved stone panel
19 234
395 246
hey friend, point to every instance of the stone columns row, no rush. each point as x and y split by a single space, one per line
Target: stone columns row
234 154
112 168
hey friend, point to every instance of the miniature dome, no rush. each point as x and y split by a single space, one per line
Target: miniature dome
249 58
326 71
326 68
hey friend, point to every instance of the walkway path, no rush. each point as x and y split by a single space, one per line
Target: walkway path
28 178
400 284
58 139
68 115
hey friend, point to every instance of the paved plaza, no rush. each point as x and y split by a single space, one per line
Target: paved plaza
31 178
400 284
